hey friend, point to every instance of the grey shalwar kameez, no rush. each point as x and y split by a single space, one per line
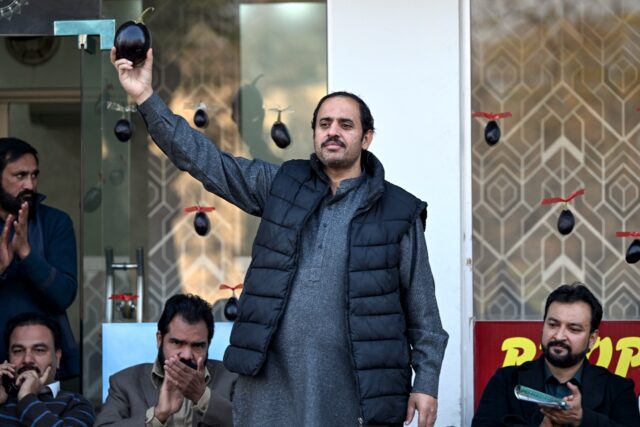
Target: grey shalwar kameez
308 378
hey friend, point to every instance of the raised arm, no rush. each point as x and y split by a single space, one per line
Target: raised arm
243 182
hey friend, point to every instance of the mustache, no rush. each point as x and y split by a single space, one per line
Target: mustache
26 194
559 344
333 139
25 368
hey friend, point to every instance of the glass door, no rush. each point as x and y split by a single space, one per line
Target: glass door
113 236
104 171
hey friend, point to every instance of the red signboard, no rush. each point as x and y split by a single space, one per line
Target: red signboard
499 344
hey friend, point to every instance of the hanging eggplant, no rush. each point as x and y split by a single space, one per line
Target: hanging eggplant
201 223
132 40
92 199
566 222
123 130
492 133
280 133
633 252
201 118
231 309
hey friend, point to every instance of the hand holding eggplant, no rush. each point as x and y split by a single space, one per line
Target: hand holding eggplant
136 81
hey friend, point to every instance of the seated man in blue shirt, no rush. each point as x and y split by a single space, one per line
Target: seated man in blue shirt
595 396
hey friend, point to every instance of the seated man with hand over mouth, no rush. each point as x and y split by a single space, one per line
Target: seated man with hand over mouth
182 387
30 395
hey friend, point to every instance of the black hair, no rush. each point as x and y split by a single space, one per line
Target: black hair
11 149
366 119
573 293
191 308
29 319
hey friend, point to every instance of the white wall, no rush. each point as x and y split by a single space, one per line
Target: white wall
403 58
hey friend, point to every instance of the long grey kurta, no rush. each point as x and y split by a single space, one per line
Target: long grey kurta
308 377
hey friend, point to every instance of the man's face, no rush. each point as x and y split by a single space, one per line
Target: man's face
32 347
338 140
185 340
565 334
19 183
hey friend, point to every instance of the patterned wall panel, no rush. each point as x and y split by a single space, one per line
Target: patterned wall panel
570 74
196 49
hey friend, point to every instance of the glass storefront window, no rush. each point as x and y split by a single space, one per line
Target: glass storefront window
569 74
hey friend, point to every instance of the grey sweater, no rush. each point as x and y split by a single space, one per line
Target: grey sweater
308 377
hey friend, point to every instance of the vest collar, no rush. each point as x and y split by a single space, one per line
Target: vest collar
372 167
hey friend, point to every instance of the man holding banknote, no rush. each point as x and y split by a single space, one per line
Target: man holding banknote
594 396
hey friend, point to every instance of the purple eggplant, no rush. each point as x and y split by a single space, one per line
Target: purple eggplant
123 130
492 133
231 309
132 40
566 222
280 133
201 223
201 118
92 199
633 253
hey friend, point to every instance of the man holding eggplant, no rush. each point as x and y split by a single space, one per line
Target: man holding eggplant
339 301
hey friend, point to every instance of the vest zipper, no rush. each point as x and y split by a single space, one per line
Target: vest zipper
348 318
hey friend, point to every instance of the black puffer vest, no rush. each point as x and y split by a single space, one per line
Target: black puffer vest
376 322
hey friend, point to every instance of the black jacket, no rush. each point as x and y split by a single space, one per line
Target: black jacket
376 321
607 399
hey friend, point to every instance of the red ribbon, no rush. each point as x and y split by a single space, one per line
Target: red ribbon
123 297
491 116
627 233
551 200
199 209
233 288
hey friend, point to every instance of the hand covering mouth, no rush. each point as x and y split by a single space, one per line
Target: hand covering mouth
26 368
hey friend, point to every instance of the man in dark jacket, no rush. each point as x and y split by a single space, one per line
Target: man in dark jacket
181 388
38 266
595 396
30 395
339 301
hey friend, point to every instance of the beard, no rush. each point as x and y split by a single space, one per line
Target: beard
567 360
161 358
13 204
